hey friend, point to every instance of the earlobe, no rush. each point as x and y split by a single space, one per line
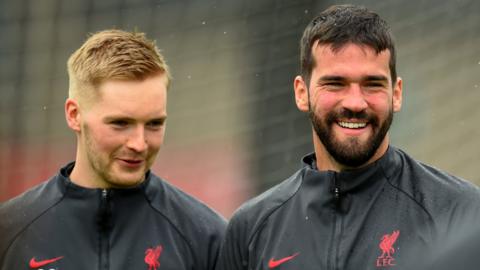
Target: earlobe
301 94
72 114
397 95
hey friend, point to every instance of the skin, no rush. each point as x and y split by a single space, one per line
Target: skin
354 78
120 133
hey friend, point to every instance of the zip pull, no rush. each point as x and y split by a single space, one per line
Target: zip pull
104 194
104 212
336 192
104 202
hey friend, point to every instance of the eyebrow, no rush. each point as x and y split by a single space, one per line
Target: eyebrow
365 78
129 119
331 78
376 78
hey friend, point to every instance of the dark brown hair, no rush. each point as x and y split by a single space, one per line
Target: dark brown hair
342 24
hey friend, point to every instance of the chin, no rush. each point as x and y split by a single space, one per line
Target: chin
129 180
126 183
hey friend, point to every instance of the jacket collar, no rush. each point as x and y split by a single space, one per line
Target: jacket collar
66 185
350 180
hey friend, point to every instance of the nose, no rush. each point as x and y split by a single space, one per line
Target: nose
354 99
137 140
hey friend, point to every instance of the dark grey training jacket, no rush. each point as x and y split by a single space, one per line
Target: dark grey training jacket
388 215
154 226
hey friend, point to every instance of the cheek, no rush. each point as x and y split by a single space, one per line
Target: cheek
380 104
324 102
155 140
108 144
107 140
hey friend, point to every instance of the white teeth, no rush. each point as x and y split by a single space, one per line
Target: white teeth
352 125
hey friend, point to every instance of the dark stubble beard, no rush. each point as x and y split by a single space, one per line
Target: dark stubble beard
351 153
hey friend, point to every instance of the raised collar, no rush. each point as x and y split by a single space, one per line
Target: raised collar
349 180
67 186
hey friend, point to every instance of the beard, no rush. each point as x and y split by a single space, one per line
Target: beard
98 162
102 163
352 153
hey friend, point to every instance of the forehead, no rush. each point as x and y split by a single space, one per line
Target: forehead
135 98
350 59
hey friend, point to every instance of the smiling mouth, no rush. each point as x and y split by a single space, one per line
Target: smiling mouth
351 125
130 161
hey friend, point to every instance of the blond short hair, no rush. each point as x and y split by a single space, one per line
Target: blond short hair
113 55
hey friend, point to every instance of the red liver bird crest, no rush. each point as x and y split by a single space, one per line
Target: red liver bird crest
151 257
386 245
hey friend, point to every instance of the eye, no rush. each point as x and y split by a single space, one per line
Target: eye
156 124
119 123
374 85
333 85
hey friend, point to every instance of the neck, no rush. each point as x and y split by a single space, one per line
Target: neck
82 175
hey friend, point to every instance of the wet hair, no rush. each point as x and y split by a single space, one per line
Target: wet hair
113 55
342 24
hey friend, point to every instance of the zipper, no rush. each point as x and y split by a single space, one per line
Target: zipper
104 223
337 228
337 197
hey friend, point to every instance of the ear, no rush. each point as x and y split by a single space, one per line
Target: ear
397 95
301 94
72 114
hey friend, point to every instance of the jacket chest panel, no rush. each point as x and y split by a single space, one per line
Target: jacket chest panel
53 242
72 254
375 236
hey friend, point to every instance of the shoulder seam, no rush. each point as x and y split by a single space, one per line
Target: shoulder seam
409 196
275 209
183 236
171 223
30 223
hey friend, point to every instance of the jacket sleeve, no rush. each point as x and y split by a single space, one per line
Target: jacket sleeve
214 246
463 214
234 250
458 248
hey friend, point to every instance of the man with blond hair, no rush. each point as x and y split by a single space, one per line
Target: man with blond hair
107 210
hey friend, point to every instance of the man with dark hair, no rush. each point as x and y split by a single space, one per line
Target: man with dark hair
358 202
107 210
